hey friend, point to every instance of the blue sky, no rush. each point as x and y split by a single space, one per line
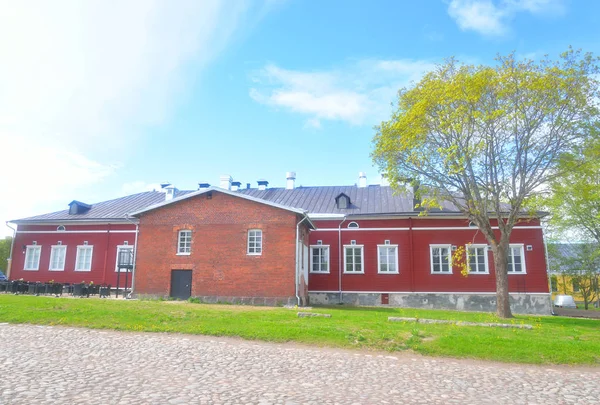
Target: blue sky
99 99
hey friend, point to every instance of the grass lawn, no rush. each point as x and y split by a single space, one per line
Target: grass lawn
553 340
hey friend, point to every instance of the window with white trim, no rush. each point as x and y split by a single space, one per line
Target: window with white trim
83 262
516 259
32 257
387 259
478 259
255 242
353 259
319 256
184 242
58 254
440 259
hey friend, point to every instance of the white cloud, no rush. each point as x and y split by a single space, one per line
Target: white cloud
481 16
491 18
358 93
80 81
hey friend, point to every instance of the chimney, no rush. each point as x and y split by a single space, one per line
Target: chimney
170 192
247 186
362 179
262 184
225 182
203 185
291 180
236 185
165 184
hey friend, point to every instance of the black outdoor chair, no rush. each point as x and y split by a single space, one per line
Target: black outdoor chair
104 291
56 289
77 290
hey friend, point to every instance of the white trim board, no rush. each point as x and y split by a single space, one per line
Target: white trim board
432 228
423 292
89 231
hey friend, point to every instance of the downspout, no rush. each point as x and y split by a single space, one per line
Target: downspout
137 226
340 258
297 276
12 245
548 272
106 254
412 255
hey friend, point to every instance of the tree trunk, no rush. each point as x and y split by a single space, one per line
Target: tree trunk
500 252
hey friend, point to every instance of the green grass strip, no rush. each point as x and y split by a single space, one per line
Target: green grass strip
553 340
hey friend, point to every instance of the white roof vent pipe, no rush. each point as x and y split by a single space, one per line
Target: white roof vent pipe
262 184
170 192
362 179
291 180
225 182
236 185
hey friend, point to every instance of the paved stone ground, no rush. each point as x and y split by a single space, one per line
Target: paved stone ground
49 365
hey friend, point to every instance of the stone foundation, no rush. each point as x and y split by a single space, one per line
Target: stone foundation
520 303
264 301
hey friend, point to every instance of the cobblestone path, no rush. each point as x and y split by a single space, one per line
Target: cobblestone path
58 365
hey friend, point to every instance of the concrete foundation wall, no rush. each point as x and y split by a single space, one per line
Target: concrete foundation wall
521 303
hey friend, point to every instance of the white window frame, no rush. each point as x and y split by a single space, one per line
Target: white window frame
119 248
444 246
79 249
510 250
379 271
485 256
28 251
179 251
320 255
362 257
254 253
53 250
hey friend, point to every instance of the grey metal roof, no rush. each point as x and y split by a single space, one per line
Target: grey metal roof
566 256
185 195
374 199
105 210
371 200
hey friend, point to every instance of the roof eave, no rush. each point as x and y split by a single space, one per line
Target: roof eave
69 220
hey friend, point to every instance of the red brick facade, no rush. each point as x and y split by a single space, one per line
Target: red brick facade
219 261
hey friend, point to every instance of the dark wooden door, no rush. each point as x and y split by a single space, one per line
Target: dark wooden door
181 284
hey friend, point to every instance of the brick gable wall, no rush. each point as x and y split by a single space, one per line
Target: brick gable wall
221 267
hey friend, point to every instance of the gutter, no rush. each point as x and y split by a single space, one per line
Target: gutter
297 276
10 254
137 227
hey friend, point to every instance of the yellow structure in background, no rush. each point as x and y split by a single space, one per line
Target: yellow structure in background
563 284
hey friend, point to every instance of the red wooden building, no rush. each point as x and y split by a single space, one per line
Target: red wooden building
353 244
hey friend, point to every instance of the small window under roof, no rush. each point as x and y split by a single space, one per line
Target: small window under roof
77 207
342 201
